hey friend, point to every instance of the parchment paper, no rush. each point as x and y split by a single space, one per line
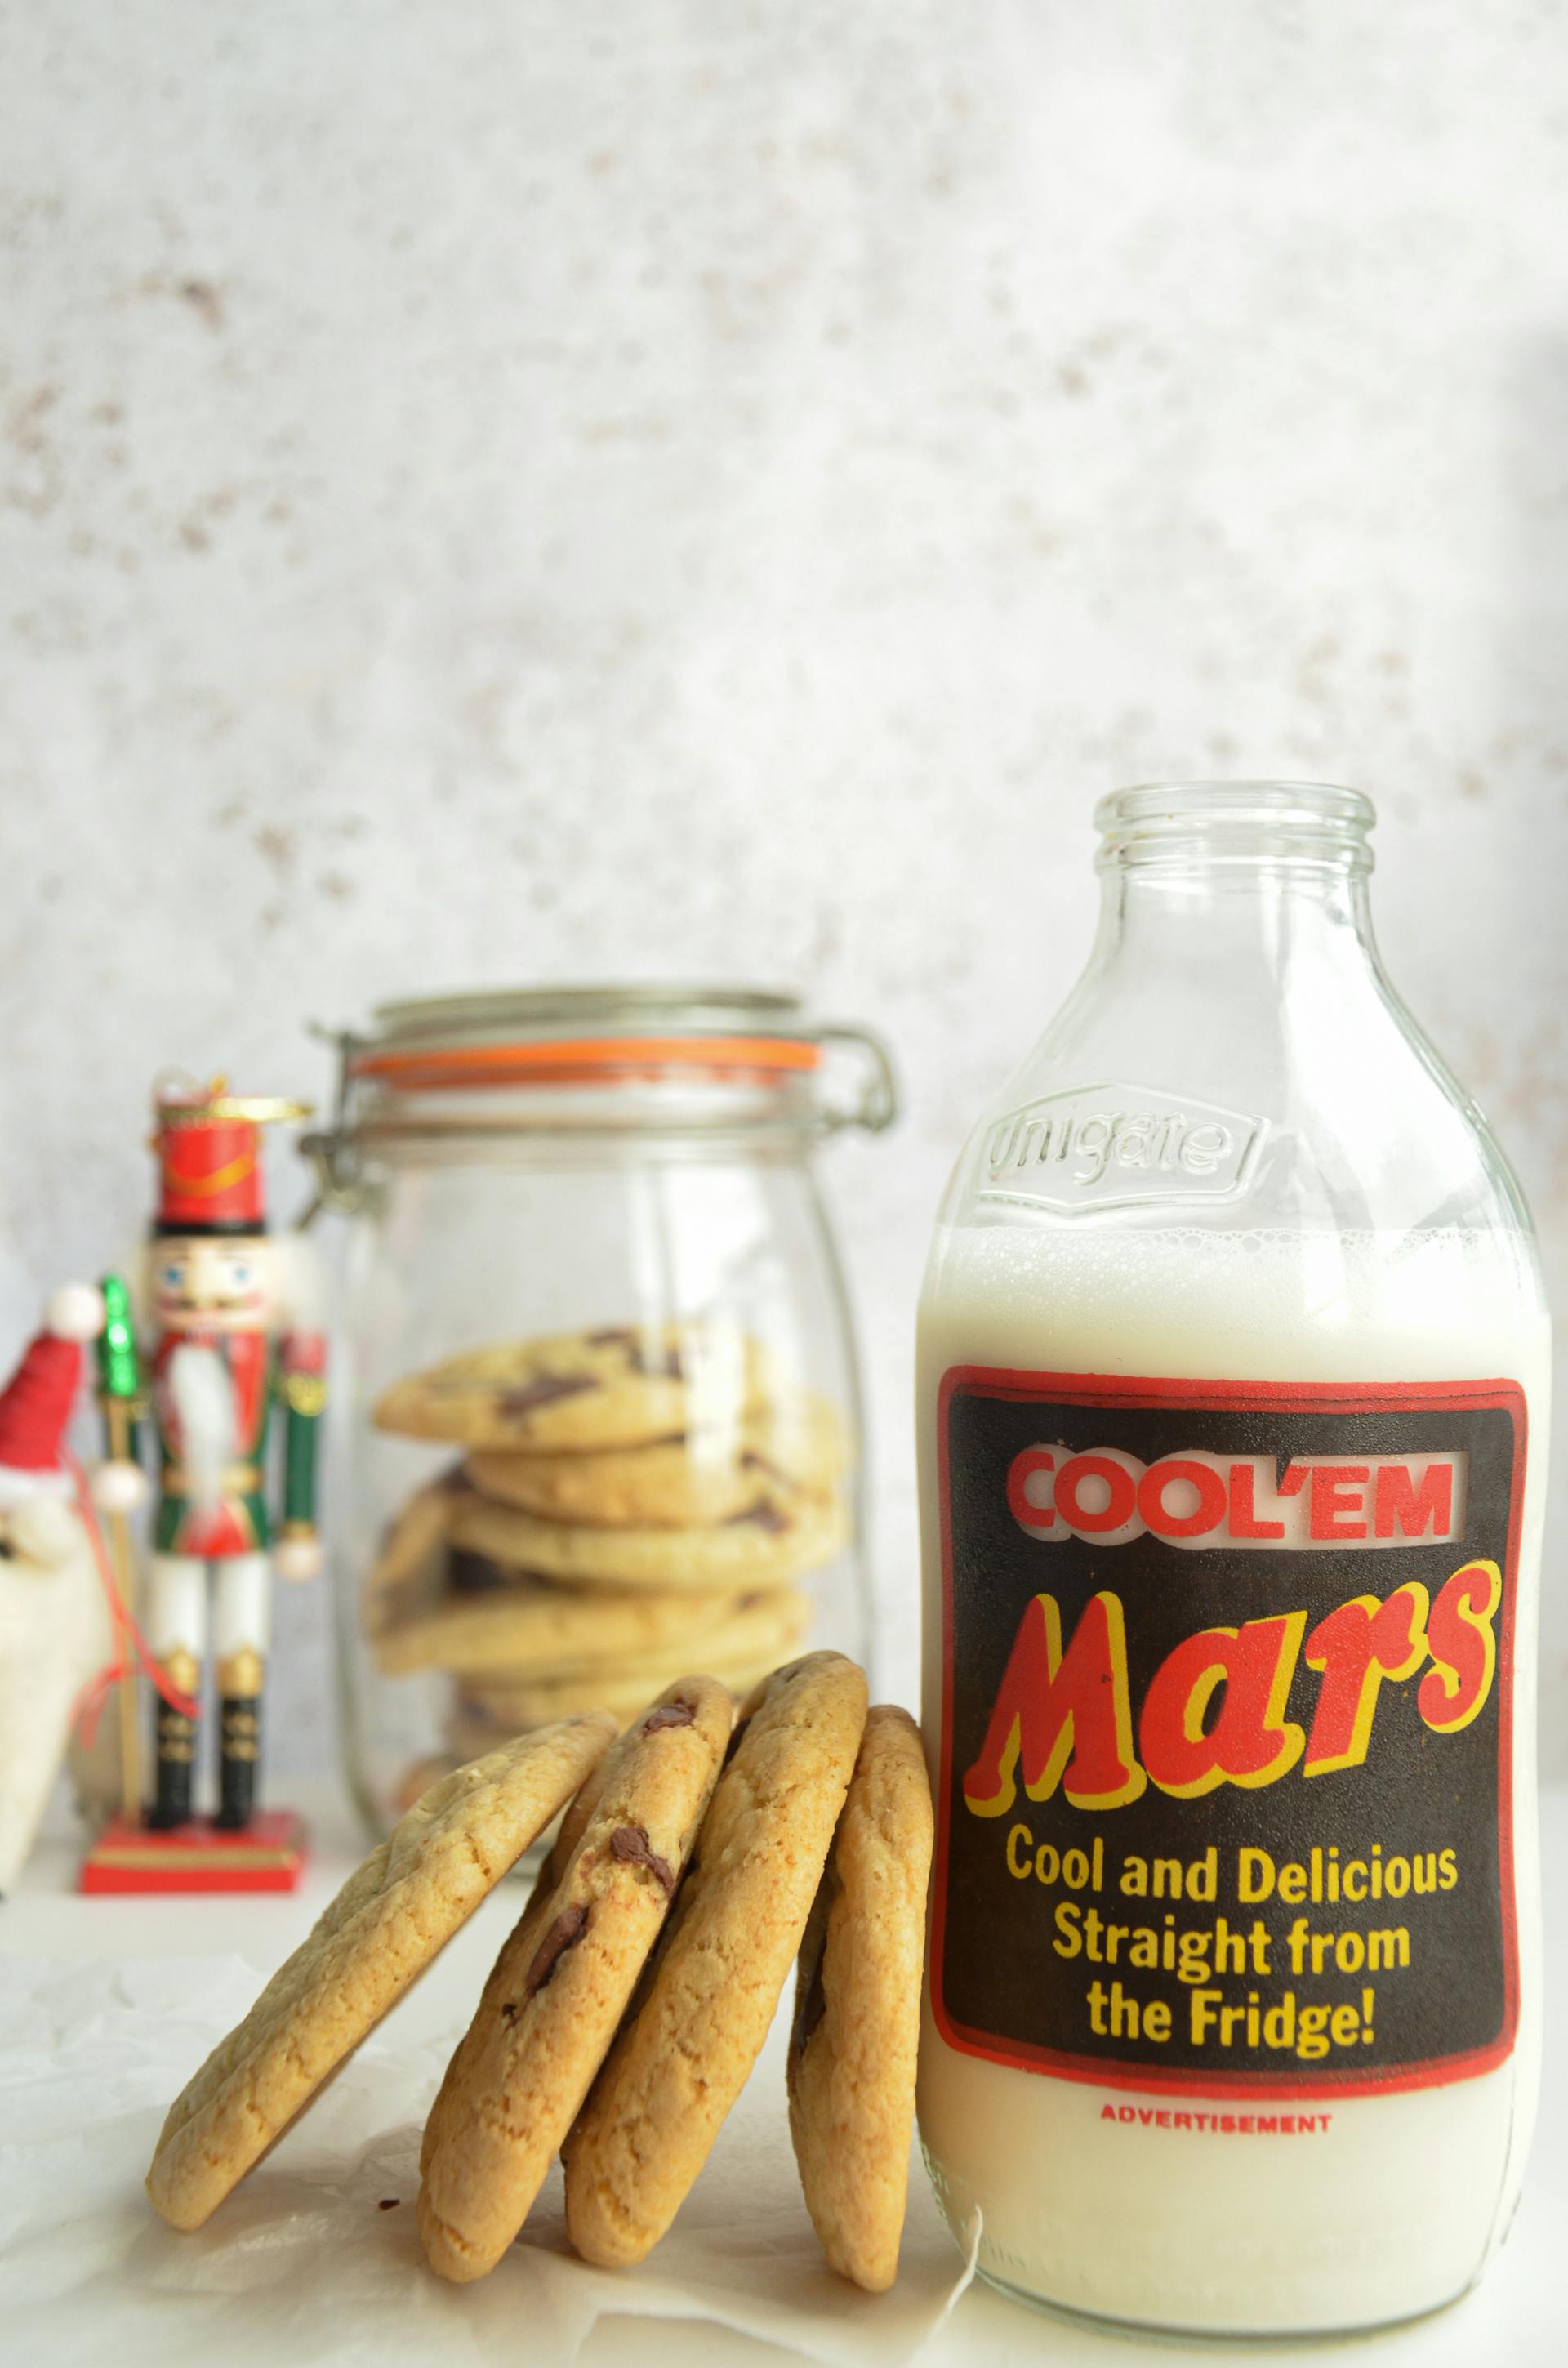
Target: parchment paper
302 2265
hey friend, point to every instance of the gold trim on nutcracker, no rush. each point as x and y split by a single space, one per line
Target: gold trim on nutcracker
260 1109
237 1480
240 1674
299 1529
183 1671
303 1393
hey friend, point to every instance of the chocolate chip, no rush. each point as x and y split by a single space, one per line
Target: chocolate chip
629 1844
389 2204
762 1516
563 1934
509 2009
469 1573
750 1460
544 1392
676 1713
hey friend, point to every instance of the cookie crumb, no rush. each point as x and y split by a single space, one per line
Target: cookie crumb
389 2204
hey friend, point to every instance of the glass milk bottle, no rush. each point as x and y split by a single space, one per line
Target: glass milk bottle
1232 1407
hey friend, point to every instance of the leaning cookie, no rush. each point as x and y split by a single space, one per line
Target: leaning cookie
616 1388
387 1923
759 1548
526 1935
551 2007
857 2026
678 2064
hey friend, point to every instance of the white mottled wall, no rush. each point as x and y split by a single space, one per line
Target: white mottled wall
513 491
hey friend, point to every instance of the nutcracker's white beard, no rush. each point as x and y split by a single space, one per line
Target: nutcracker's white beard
204 1408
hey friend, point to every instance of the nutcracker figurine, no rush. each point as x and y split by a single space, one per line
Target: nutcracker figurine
227 1328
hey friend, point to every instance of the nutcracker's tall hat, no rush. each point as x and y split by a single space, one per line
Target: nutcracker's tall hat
209 1145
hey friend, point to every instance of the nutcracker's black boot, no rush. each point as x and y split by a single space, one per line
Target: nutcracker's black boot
239 1753
174 1750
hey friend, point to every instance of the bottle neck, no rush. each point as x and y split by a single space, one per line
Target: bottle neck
1248 886
1254 924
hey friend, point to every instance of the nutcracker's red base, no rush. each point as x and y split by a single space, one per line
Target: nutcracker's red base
268 1855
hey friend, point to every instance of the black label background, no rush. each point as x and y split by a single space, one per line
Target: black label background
999 1978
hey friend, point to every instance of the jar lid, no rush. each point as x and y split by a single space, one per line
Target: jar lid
570 1061
562 1034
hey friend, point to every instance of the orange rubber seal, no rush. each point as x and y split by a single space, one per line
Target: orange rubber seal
569 1060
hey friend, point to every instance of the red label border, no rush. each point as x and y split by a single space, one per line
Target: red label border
1238 1397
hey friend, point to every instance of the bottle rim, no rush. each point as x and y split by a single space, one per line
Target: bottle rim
1257 822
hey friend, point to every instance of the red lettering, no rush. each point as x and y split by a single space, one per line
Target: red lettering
1020 1503
1339 1500
1464 1648
1251 1741
1209 1513
1356 1647
1243 1523
1121 1501
1398 1501
1060 1717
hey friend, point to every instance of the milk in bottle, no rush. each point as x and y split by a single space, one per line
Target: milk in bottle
1233 1400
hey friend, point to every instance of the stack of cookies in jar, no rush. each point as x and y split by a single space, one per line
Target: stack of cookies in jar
627 1503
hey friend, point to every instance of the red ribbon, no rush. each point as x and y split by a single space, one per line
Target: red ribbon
132 1647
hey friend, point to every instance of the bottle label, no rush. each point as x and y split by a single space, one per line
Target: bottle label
1224 1791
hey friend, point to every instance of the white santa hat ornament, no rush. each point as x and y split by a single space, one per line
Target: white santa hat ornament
35 1403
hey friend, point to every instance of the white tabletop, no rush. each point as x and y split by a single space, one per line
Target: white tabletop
1515 2316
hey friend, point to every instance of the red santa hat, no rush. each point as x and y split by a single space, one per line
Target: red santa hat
35 1403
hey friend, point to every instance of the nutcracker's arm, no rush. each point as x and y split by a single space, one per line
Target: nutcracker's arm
301 1388
302 1385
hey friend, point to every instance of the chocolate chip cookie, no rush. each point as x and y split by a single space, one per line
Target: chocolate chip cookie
504 1620
856 2025
561 1982
389 1920
618 1387
680 2061
796 1447
761 1547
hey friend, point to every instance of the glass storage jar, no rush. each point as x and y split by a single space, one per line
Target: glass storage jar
595 1417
